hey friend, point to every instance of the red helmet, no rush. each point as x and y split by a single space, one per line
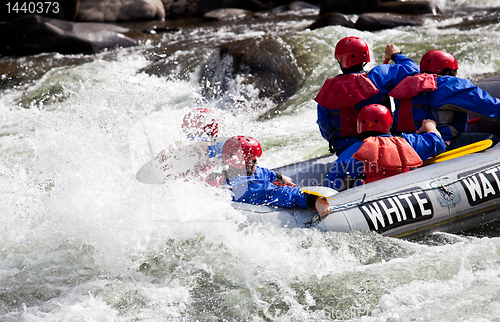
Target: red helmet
435 61
238 151
200 121
351 51
374 117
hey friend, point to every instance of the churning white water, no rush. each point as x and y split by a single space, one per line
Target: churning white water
82 240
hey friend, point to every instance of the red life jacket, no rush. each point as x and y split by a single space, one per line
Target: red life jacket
409 87
343 93
385 156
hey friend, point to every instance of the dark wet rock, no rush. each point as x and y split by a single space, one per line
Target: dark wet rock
380 21
347 6
228 14
484 17
205 6
30 35
179 68
120 10
407 7
332 19
267 63
64 10
179 8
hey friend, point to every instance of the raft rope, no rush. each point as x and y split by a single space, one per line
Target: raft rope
363 201
442 187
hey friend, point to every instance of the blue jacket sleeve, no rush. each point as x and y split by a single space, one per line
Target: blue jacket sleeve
323 121
463 94
259 189
387 76
265 174
426 144
262 192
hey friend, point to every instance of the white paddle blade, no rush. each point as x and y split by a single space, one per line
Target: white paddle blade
173 163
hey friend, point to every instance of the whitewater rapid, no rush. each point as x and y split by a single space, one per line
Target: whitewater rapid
82 240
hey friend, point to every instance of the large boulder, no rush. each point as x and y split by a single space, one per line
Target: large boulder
332 19
266 64
179 8
486 18
31 35
417 7
64 10
347 6
380 21
120 10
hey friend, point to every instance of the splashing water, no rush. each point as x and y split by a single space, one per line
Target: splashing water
82 239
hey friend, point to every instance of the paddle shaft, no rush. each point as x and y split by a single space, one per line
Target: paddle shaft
458 152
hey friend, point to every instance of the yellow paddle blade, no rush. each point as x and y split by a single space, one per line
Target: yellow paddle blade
458 152
316 194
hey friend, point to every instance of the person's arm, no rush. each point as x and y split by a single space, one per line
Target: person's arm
273 176
428 126
320 204
391 51
322 207
322 122
283 180
460 94
262 192
427 140
266 174
265 193
287 181
386 77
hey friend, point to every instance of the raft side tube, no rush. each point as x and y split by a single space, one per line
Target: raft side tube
449 196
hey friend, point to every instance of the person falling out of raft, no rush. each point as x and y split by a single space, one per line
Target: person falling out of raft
438 94
200 124
377 154
250 183
201 157
342 97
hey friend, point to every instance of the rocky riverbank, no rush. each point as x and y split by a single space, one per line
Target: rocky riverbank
272 60
86 26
